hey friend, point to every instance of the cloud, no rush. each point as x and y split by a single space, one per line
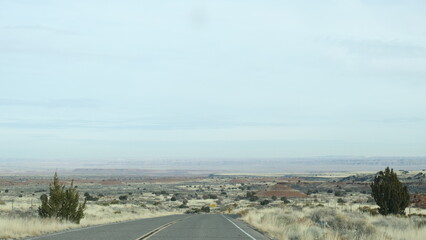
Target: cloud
56 103
383 48
377 48
136 124
41 28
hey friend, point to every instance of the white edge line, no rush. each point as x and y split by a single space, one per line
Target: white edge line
239 228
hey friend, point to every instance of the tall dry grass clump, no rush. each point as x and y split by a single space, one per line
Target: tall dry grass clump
288 223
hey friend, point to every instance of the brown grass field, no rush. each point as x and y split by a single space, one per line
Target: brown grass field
311 211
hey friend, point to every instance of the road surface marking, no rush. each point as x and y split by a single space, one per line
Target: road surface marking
80 229
157 230
239 228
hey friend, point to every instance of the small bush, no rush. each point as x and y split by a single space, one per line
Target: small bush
253 198
339 193
89 197
123 197
115 201
264 202
212 196
205 209
371 211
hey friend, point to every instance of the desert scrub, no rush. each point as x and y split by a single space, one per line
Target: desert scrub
347 225
288 223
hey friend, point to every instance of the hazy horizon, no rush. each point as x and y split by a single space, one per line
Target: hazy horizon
212 79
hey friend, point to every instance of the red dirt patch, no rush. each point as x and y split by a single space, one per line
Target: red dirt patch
418 200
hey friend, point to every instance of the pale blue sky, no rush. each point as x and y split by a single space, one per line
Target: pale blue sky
201 79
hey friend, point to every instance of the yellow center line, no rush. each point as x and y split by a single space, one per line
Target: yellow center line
157 230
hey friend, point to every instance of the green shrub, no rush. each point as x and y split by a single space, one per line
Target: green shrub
89 197
212 196
115 201
205 209
389 193
339 193
62 203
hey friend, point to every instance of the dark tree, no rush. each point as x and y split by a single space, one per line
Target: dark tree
389 193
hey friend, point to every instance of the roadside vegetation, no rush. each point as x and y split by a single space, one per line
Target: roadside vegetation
316 221
323 223
305 206
62 204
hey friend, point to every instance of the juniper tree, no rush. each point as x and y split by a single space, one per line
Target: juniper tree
62 203
389 193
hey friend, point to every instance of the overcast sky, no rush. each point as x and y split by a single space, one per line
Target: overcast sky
202 79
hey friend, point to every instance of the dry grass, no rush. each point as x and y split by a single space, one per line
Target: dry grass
327 223
20 224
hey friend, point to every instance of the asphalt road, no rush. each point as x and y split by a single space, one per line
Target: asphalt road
198 226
